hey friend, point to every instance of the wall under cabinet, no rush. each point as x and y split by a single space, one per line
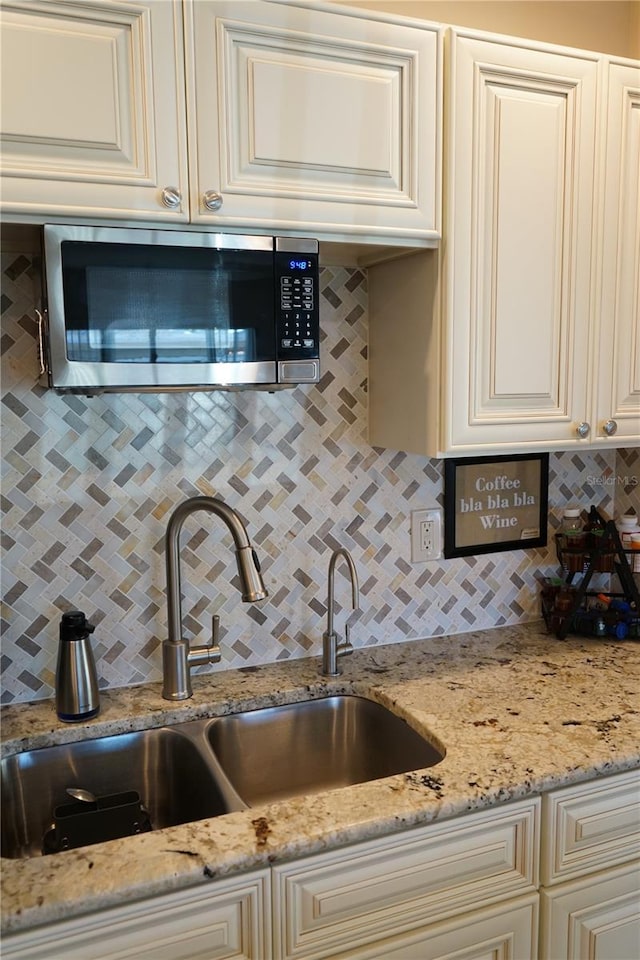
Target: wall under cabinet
88 485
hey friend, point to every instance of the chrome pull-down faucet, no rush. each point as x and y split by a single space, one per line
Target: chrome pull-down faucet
177 656
332 648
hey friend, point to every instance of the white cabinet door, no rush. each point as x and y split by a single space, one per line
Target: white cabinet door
92 119
309 121
618 393
589 912
589 827
597 918
506 933
313 121
384 890
519 239
488 346
226 920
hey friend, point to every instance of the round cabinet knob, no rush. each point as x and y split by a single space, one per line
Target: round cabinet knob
583 429
212 200
609 427
171 197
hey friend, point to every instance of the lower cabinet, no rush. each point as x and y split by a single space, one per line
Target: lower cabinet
465 888
418 894
590 871
597 918
227 920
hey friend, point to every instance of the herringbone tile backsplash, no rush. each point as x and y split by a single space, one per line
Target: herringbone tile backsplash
88 486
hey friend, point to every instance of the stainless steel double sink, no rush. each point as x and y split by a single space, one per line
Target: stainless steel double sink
204 768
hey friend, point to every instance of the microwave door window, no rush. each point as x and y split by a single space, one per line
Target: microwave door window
203 306
154 315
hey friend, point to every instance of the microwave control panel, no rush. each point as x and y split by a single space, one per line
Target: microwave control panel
297 307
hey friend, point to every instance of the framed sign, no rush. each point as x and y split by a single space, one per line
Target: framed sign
495 503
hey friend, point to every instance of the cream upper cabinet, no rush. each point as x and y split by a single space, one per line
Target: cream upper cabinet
297 119
517 276
617 411
93 115
506 341
314 120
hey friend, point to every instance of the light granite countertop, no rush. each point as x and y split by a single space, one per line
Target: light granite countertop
518 711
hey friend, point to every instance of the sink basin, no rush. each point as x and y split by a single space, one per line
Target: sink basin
172 777
201 769
316 745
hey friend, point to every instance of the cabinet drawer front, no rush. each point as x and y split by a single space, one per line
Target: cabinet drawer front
396 883
228 920
593 919
590 827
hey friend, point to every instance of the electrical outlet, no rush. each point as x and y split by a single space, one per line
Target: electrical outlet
426 535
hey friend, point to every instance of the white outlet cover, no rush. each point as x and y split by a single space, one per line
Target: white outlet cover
418 518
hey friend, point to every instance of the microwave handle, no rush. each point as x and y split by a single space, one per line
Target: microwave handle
41 349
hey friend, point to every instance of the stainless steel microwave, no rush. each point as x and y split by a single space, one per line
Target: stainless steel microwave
132 310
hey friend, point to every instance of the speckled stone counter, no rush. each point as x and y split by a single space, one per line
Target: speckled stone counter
517 711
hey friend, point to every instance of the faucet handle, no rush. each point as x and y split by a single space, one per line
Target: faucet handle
196 656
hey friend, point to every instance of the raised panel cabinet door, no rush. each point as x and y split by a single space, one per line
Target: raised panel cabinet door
597 918
331 903
314 120
506 932
518 269
588 827
226 920
618 411
92 119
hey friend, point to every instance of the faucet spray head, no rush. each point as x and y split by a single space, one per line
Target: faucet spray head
253 588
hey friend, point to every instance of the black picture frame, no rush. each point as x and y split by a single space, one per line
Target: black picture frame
488 500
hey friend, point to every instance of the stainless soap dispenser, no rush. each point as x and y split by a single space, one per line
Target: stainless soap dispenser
77 696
